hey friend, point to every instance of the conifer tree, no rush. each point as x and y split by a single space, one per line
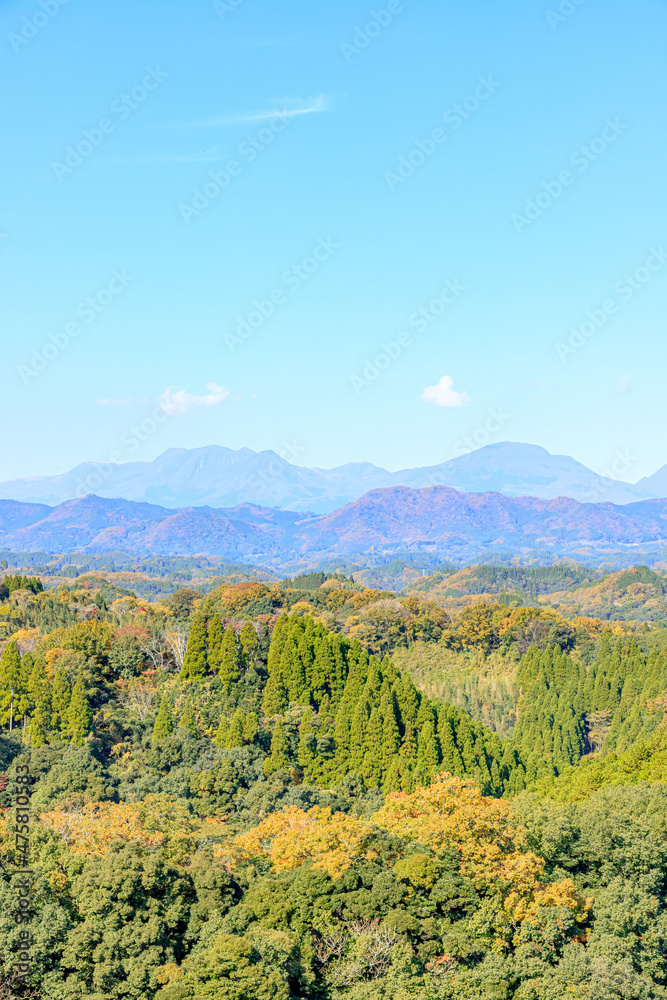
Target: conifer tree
357 738
61 696
40 696
12 687
188 719
222 733
249 644
279 757
235 734
250 727
230 658
164 723
372 766
307 752
79 714
216 635
391 737
194 663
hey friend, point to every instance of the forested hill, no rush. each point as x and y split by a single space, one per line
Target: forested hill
459 526
250 794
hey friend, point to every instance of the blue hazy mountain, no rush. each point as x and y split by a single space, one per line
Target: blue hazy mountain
215 476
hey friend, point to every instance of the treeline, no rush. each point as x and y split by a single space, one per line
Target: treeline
569 708
12 583
331 710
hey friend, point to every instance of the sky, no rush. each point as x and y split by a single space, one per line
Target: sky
342 232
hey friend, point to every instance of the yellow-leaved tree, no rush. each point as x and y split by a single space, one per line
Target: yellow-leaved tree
92 829
491 843
332 841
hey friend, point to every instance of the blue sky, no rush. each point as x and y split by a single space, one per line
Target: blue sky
263 199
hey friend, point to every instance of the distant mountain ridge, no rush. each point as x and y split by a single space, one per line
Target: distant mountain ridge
438 519
221 477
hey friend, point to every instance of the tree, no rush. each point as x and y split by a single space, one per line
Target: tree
229 658
307 753
79 715
279 757
60 699
194 662
232 968
12 687
222 733
235 734
164 723
188 719
249 643
216 634
40 695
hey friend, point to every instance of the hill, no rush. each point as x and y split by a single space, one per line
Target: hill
438 520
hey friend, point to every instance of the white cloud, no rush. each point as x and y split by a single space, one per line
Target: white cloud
285 107
442 394
174 401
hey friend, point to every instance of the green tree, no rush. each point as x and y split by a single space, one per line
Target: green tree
194 663
188 719
249 644
79 715
216 634
279 758
235 734
222 733
60 699
230 658
39 691
307 753
232 968
164 723
12 686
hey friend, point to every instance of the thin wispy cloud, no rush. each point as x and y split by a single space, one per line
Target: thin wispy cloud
177 401
443 394
284 108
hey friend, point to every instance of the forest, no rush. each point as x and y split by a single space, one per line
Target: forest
312 788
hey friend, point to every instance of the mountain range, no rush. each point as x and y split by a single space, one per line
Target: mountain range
438 519
221 477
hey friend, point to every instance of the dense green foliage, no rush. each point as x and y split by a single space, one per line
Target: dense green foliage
230 797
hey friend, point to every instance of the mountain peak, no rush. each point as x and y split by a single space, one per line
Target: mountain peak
220 477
